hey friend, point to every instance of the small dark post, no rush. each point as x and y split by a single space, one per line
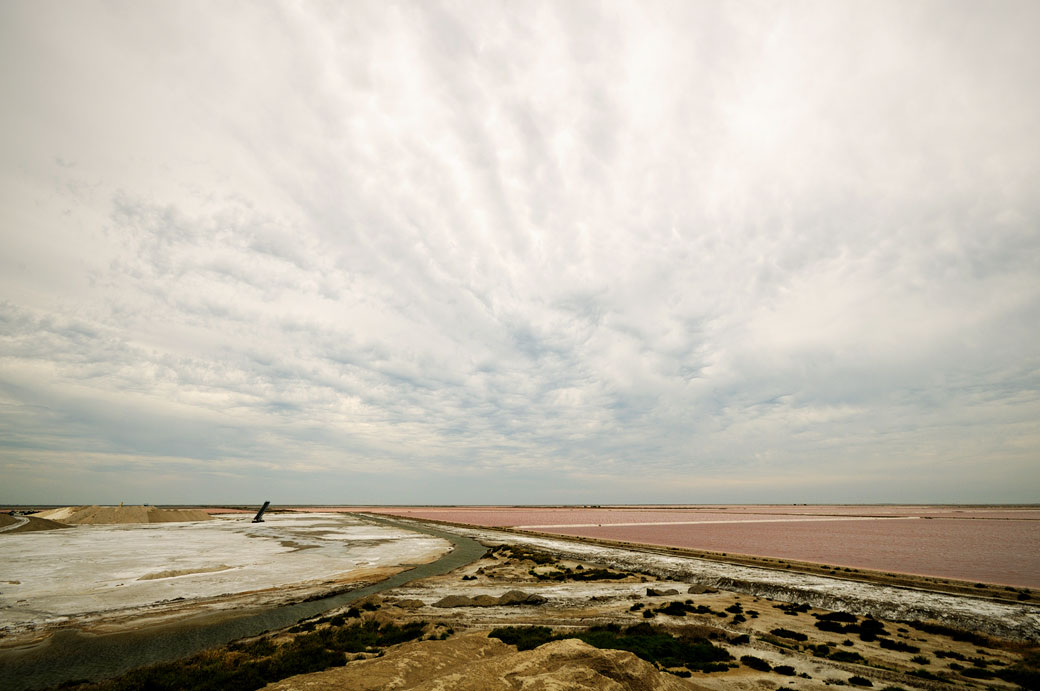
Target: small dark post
259 514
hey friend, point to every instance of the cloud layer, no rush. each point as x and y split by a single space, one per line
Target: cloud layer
559 252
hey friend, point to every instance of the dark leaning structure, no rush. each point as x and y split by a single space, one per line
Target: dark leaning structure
259 518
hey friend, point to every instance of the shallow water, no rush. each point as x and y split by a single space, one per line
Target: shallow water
979 544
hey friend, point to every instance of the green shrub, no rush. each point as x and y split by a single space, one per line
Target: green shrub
523 637
978 673
846 656
889 644
786 633
837 616
786 670
755 663
955 634
860 681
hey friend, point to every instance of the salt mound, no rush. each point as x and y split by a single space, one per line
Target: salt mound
107 515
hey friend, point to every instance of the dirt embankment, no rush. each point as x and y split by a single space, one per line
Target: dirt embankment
31 524
110 515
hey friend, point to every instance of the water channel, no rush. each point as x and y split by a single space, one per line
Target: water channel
72 655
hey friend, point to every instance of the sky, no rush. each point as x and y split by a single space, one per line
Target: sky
519 252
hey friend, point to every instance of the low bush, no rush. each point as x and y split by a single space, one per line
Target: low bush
889 644
860 681
837 616
786 670
523 637
846 656
522 554
755 663
786 633
955 634
978 673
792 609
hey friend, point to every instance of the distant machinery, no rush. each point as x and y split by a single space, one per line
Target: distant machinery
259 518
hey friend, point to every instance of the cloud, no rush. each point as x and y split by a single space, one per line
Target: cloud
433 252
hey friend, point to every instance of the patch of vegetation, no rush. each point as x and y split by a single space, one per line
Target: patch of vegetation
1025 673
844 617
786 670
955 634
681 609
249 666
889 644
787 633
755 663
792 609
977 673
522 554
920 660
648 642
868 630
860 681
949 653
846 656
565 574
820 650
524 637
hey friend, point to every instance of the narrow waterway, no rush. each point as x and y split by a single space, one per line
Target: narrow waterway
71 655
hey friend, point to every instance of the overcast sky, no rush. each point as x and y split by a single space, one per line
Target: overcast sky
564 252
